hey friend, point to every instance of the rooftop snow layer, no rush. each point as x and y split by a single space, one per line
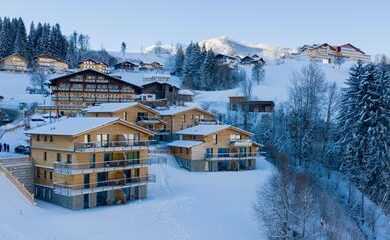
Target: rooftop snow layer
110 107
203 130
72 126
173 110
184 143
141 78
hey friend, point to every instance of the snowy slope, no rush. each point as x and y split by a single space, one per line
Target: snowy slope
181 206
228 46
276 84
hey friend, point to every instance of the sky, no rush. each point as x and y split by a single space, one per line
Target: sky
287 23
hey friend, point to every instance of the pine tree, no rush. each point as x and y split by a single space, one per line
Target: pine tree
179 61
20 44
123 49
6 41
208 71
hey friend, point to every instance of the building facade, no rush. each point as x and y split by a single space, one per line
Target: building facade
327 53
51 63
126 66
87 162
94 65
181 117
236 103
215 147
14 63
75 91
133 112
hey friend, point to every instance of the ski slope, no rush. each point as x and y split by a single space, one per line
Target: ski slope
181 206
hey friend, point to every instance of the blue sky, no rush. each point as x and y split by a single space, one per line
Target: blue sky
287 23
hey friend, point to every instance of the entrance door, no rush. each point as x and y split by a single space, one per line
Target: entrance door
86 180
86 200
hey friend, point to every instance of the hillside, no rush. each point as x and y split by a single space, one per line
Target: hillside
181 206
228 46
278 75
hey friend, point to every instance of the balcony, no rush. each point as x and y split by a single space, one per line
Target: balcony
82 168
162 132
241 143
80 189
230 156
111 145
148 119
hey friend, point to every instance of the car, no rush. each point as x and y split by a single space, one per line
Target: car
26 150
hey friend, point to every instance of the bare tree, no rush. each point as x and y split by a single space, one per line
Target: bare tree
246 89
38 80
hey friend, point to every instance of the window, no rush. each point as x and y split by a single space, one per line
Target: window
45 138
170 89
68 158
215 139
51 175
37 174
125 116
188 150
183 118
44 174
58 157
181 150
38 138
51 138
234 137
87 138
45 156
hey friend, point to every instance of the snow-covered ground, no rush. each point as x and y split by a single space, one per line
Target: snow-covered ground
275 87
181 205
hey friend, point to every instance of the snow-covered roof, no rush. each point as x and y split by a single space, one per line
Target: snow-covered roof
184 143
72 126
141 78
110 107
173 110
186 92
203 130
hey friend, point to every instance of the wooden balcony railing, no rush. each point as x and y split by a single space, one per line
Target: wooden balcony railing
103 166
100 186
103 145
230 156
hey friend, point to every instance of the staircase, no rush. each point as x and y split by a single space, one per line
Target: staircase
20 168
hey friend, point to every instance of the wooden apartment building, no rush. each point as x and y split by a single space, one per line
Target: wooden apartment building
50 63
133 112
236 103
181 117
75 91
215 147
87 162
95 65
327 53
126 66
14 63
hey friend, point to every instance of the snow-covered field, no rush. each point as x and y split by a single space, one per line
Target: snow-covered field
181 205
275 87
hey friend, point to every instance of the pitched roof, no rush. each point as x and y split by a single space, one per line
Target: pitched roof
185 92
50 56
114 107
15 54
184 143
351 46
92 60
96 72
173 110
207 129
78 125
72 126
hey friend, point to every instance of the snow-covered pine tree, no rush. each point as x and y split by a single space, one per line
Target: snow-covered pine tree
6 41
348 119
20 43
208 71
179 61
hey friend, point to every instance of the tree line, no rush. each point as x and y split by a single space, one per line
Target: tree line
333 136
199 69
44 38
